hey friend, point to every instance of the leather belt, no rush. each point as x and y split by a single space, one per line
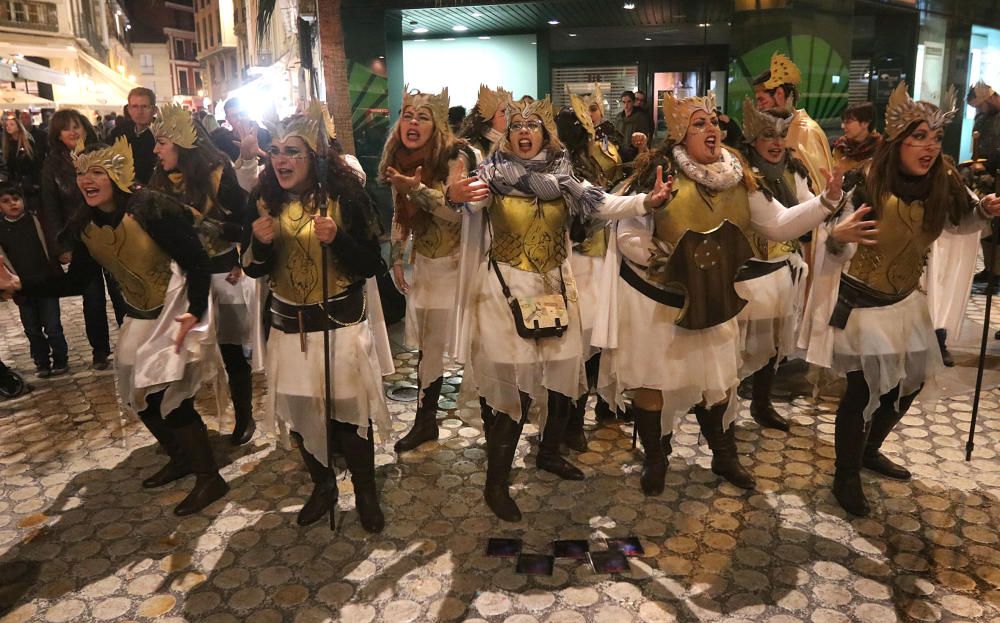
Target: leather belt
344 310
856 295
224 262
755 269
670 298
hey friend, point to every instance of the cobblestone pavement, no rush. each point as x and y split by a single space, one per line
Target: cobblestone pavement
80 540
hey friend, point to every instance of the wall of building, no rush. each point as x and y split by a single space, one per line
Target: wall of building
151 67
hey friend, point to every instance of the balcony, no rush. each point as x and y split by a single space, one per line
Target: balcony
29 15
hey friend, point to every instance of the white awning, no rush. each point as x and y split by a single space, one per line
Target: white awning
14 97
6 75
26 70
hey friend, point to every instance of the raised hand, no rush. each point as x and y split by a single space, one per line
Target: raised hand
468 190
855 229
834 183
991 204
325 228
661 191
263 229
403 184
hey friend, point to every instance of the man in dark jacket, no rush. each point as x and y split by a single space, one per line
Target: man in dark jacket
635 125
141 109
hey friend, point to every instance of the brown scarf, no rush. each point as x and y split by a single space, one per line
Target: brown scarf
406 162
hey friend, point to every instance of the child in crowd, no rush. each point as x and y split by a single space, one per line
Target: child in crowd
26 253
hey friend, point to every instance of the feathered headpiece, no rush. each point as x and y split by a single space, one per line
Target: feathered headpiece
902 112
437 104
979 93
783 71
542 109
314 127
115 160
491 101
677 113
756 122
581 108
176 125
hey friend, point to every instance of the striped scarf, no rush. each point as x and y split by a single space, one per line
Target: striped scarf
546 176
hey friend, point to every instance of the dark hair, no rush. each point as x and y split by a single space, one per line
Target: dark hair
474 126
232 102
143 92
10 189
947 197
638 91
863 112
455 115
790 90
628 94
577 142
196 166
62 120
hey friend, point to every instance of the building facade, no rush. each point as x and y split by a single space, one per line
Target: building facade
165 51
76 53
216 42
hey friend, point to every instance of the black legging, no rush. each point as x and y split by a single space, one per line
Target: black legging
856 396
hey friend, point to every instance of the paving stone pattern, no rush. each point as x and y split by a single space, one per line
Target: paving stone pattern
80 540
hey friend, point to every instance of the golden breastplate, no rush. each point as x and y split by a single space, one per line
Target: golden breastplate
894 264
297 273
609 160
140 266
528 234
696 208
435 237
774 250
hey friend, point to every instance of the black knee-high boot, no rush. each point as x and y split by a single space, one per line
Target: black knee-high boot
178 465
487 415
501 447
425 426
241 392
725 460
602 410
761 409
324 494
849 443
360 455
192 436
654 464
942 338
884 420
549 459
575 438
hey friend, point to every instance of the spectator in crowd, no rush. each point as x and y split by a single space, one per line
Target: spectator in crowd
635 126
69 133
456 114
141 109
23 154
228 139
23 248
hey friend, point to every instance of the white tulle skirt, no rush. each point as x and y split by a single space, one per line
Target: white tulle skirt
586 270
769 321
892 345
232 309
296 384
687 367
145 357
430 314
505 364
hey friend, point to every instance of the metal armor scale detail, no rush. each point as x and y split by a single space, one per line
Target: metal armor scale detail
528 234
